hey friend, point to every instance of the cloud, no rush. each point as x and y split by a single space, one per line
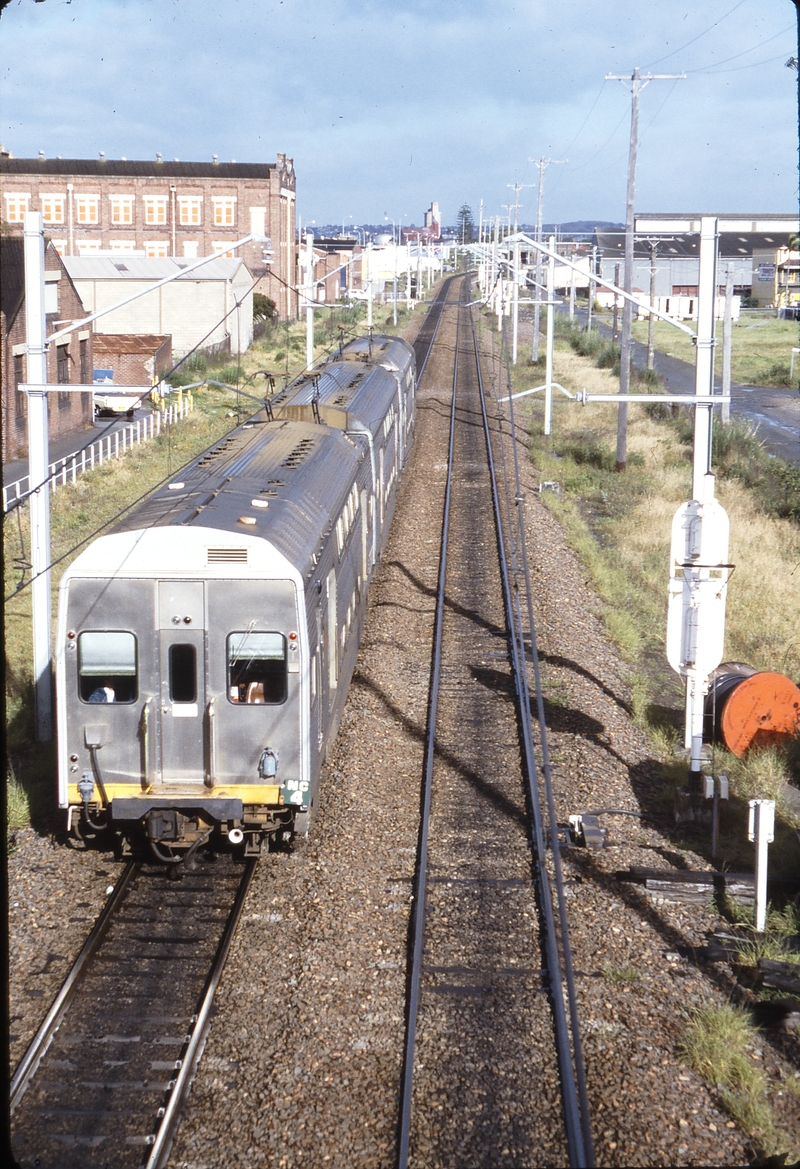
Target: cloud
352 89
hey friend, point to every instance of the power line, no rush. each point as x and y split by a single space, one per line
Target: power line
744 52
697 38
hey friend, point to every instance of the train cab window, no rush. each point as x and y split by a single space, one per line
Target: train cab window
107 667
257 668
182 673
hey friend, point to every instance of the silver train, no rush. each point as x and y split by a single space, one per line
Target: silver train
205 646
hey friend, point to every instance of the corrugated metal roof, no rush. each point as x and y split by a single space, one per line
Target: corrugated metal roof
145 169
270 462
739 243
129 342
126 267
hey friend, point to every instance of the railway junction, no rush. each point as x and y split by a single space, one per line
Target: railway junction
436 976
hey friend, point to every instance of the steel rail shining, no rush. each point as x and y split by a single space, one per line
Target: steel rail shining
439 302
179 1088
420 877
26 1069
566 948
580 1157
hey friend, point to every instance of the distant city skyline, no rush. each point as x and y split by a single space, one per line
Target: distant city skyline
387 106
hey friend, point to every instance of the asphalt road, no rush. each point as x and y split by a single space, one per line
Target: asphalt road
776 411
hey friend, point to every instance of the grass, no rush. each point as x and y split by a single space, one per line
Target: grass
761 347
720 1043
621 975
619 525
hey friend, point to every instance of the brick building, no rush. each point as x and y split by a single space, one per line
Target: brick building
70 360
133 359
187 209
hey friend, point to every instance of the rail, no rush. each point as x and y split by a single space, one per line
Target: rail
562 983
421 875
516 595
140 939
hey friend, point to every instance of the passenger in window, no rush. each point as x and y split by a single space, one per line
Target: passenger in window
102 694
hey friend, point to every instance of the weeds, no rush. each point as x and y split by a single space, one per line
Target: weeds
718 1044
621 975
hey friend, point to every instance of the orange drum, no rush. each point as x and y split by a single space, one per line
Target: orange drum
762 710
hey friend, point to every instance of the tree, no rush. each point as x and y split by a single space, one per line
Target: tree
263 307
465 224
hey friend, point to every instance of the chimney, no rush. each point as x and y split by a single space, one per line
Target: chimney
158 157
102 156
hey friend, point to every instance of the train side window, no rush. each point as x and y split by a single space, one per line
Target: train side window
107 669
257 668
182 673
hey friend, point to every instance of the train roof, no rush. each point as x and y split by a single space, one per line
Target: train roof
261 480
390 352
346 395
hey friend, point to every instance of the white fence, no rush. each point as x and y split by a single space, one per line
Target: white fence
67 470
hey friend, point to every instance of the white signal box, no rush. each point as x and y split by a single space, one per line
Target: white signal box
698 584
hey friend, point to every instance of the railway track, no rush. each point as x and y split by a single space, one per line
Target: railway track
493 1070
103 1082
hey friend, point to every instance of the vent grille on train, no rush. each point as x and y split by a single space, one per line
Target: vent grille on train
227 556
303 448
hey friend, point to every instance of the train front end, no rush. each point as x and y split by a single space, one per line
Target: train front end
181 704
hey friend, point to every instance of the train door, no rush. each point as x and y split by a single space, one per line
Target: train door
182 680
254 671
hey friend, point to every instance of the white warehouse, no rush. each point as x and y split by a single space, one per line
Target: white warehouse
201 308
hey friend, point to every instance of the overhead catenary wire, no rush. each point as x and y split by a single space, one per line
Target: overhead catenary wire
698 37
23 584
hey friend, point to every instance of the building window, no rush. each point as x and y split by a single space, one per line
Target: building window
87 208
190 249
155 210
20 397
156 247
220 250
53 208
86 247
190 210
123 245
121 208
224 212
60 245
16 206
83 346
62 365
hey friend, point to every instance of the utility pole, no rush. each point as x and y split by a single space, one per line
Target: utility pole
591 288
309 266
542 164
651 323
727 337
637 83
36 373
369 285
614 329
551 316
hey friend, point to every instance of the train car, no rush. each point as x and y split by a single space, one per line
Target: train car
205 646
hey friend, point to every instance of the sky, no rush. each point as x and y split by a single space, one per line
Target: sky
386 105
